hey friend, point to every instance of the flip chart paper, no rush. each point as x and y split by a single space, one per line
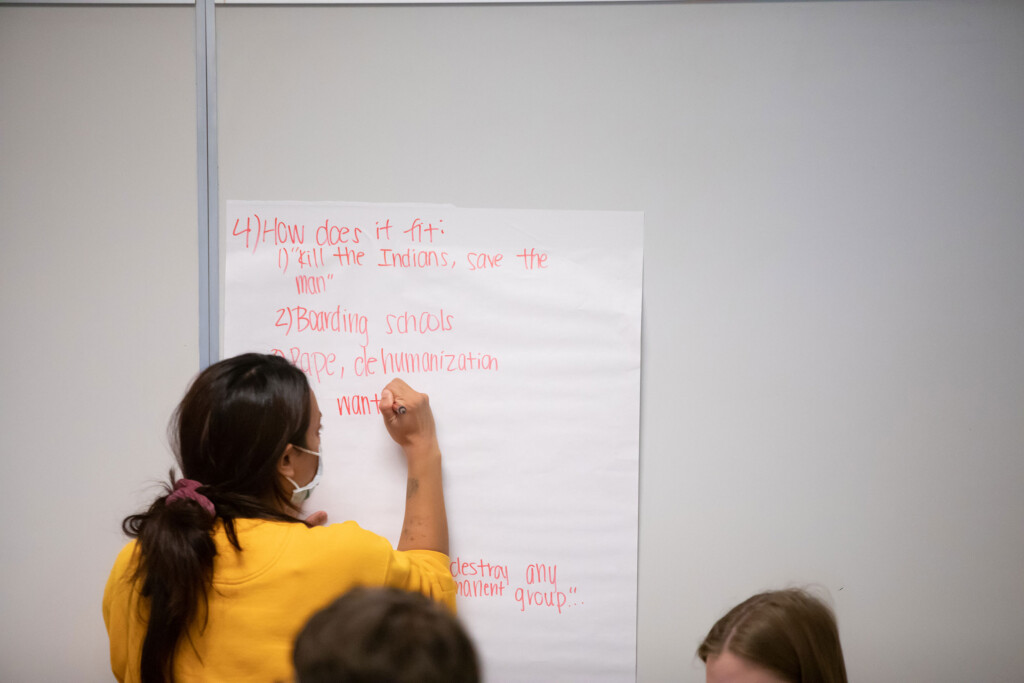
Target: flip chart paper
524 328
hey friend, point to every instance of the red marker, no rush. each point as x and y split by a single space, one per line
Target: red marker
400 409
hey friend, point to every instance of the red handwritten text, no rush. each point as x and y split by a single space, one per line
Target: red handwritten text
404 323
479 578
301 319
364 364
483 261
258 231
417 231
328 235
415 258
316 364
312 284
541 589
533 259
428 361
359 404
347 256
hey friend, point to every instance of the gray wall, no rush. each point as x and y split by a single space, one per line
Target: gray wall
98 307
833 368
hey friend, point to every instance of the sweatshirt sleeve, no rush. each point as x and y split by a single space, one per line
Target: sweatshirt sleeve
365 558
423 571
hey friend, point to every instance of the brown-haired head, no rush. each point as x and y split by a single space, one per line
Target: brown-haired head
233 425
788 632
377 635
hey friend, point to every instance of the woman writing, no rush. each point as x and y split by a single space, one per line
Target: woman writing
222 574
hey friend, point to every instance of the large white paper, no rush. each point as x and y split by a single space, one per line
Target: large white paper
524 329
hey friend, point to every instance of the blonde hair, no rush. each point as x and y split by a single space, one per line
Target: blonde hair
789 632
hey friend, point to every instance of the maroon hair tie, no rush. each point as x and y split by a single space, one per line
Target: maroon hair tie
185 489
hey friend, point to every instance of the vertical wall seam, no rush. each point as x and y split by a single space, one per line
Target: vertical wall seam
206 173
212 182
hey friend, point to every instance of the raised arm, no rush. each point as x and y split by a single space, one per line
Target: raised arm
410 423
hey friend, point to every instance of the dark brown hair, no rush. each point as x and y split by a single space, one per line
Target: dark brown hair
384 635
789 632
229 432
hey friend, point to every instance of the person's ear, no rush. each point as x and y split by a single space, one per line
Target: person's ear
286 465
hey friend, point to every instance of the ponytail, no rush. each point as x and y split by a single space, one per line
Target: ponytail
176 554
175 570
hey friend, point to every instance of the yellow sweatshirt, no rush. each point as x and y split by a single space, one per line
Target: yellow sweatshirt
263 595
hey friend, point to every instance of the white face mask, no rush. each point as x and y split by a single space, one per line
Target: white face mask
301 493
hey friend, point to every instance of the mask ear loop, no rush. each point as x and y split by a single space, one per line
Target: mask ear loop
316 477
